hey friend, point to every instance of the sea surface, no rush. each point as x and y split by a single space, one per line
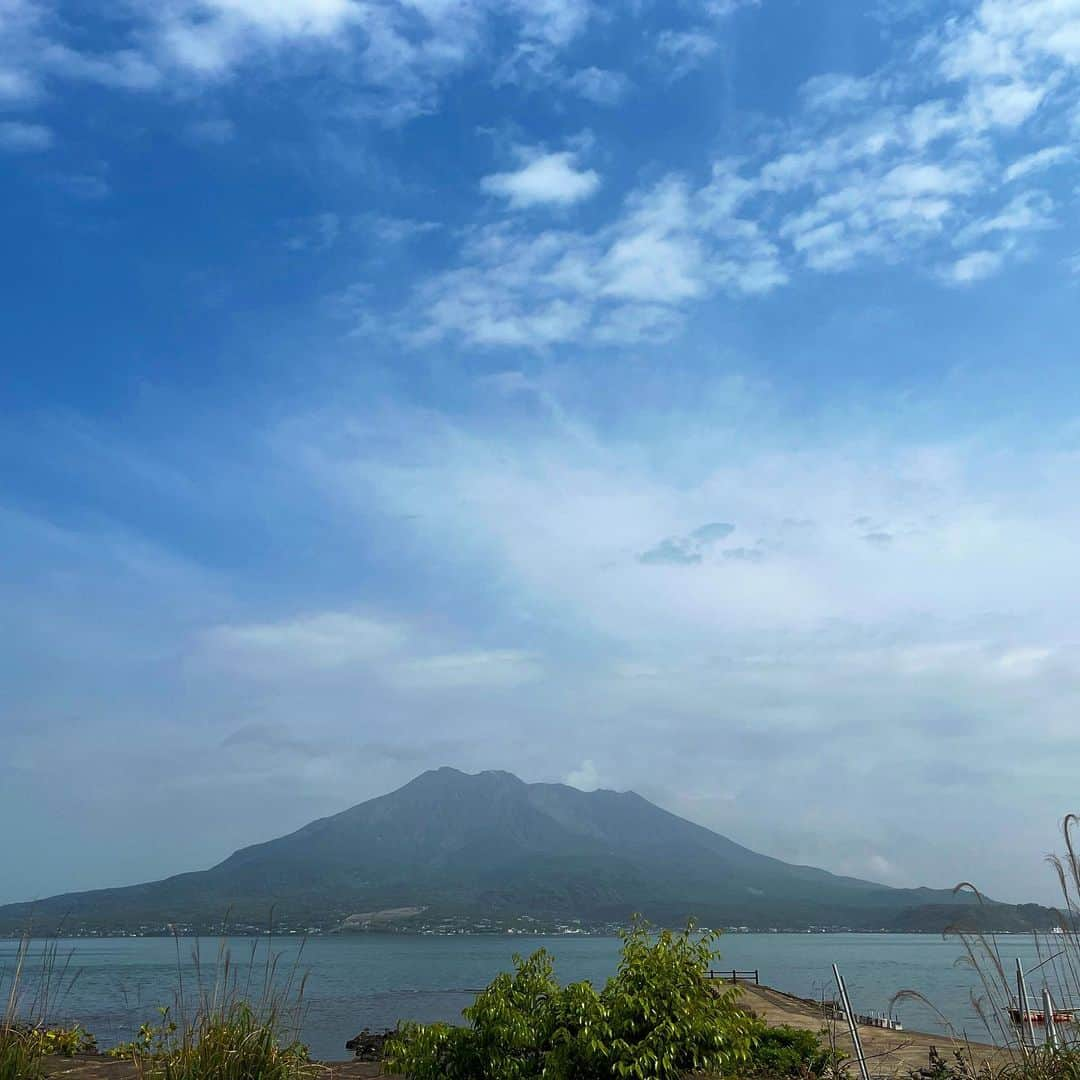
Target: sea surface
111 985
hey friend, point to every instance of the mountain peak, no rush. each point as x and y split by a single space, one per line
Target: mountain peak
486 847
448 775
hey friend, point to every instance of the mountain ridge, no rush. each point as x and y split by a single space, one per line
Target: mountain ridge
490 850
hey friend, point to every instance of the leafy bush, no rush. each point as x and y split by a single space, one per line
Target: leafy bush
962 1067
787 1051
658 1017
152 1041
22 1046
63 1041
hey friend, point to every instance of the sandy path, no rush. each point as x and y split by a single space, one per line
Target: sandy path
889 1053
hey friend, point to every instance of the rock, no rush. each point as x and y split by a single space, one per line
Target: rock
368 1045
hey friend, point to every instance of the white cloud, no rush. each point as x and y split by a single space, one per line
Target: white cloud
319 642
544 178
1038 161
565 517
974 267
126 69
684 50
363 648
899 166
20 137
20 30
209 38
554 22
792 650
836 91
887 180
655 254
1027 212
494 670
723 9
531 535
392 56
624 283
1005 38
598 85
585 777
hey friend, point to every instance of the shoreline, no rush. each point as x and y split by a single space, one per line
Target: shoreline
895 1053
300 935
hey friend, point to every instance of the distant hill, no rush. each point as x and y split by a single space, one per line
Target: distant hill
449 848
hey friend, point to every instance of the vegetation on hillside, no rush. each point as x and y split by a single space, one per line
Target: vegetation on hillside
484 850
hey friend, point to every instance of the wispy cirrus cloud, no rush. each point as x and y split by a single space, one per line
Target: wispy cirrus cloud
684 50
1039 161
22 138
358 647
601 86
629 281
394 54
909 164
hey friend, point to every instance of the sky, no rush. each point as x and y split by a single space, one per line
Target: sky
669 395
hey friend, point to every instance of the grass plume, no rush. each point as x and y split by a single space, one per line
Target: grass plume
228 1027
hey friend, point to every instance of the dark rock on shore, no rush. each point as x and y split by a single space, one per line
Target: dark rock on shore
368 1045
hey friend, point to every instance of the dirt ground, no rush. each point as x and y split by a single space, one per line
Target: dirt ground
889 1053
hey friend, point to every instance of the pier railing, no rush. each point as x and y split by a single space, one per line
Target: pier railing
734 975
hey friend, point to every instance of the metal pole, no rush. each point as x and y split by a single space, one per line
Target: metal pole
853 1026
1025 1010
1051 1024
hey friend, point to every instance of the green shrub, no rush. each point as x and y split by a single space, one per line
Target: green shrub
658 1017
63 1041
22 1046
786 1051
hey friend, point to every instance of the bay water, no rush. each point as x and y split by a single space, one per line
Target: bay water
373 980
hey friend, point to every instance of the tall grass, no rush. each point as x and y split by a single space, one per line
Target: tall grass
17 1052
30 990
240 1023
230 1027
1056 969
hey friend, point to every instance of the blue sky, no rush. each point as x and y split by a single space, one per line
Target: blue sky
678 396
